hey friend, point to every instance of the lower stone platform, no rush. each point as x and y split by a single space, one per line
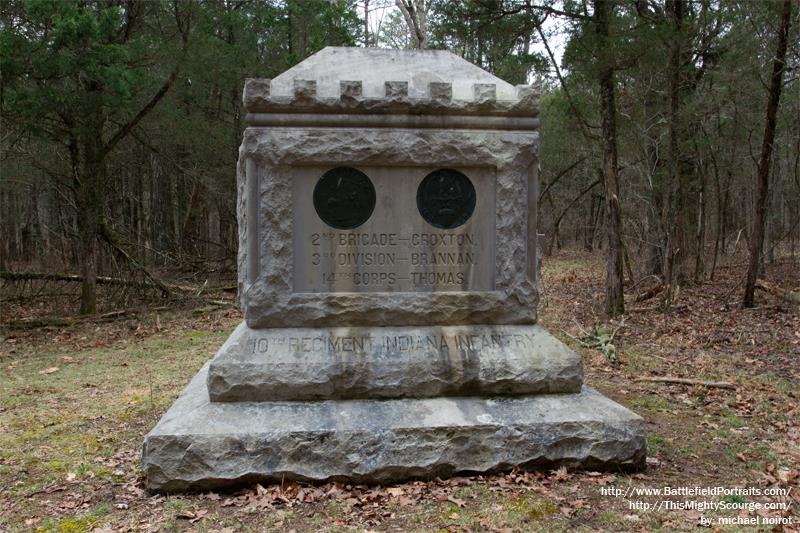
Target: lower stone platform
349 363
201 445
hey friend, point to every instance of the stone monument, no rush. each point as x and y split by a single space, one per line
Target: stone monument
388 280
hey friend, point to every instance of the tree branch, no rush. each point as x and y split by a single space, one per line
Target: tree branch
126 128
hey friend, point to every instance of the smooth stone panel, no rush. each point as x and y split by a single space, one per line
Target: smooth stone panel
395 250
410 362
202 445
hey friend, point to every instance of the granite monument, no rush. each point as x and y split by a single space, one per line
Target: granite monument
388 278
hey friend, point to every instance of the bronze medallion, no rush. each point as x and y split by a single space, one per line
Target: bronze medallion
446 198
344 198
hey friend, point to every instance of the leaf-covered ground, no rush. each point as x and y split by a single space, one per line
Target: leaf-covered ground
76 401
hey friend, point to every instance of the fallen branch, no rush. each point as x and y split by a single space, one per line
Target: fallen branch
783 294
54 276
111 316
687 381
154 282
657 307
112 240
212 305
650 293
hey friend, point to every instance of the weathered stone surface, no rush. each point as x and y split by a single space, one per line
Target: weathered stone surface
440 91
304 91
392 82
350 89
266 253
396 90
485 92
256 93
200 445
375 66
440 160
415 121
263 103
346 363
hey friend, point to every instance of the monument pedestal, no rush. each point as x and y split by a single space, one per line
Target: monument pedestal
391 362
201 444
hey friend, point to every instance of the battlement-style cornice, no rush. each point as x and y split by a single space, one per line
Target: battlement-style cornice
261 97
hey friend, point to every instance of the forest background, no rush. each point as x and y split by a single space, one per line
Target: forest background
669 191
669 129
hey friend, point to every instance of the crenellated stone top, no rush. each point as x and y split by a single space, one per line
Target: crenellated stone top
378 81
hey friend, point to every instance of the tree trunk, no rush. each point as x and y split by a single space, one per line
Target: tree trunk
89 204
776 82
615 303
700 236
675 253
366 23
588 233
416 18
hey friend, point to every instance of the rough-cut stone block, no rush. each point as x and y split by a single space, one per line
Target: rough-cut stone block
346 363
396 90
484 92
440 92
305 90
350 90
527 92
201 445
256 92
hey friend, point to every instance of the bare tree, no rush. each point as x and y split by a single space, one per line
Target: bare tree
762 177
615 300
417 19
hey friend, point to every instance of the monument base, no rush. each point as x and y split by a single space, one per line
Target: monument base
351 363
202 445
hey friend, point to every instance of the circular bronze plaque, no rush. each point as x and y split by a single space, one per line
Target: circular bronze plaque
446 198
344 198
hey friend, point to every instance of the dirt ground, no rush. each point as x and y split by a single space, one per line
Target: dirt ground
77 399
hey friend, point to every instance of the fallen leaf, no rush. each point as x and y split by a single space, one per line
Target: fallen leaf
49 370
460 503
395 491
561 474
580 504
199 515
405 501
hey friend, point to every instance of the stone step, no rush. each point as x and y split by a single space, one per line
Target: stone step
391 362
203 445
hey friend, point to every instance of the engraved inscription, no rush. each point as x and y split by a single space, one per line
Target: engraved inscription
386 344
396 249
347 266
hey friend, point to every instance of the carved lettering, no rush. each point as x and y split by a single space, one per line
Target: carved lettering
389 344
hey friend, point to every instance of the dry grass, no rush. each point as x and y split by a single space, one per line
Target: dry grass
70 438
